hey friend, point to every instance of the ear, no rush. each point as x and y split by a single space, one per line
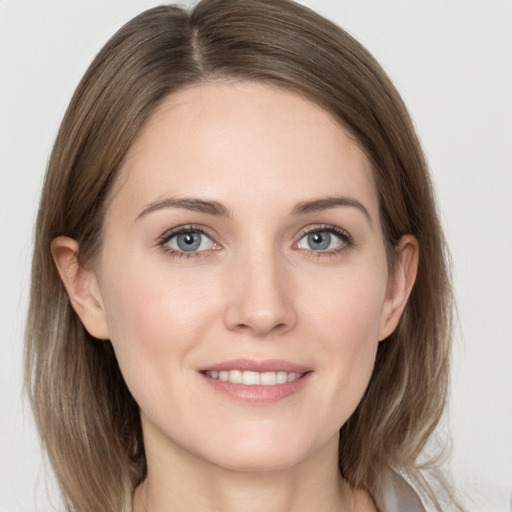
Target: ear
82 287
400 284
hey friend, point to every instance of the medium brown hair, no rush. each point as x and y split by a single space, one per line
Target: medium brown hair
88 421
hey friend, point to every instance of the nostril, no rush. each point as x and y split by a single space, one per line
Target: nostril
260 328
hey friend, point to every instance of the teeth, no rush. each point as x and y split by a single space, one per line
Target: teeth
254 378
251 378
268 378
235 376
282 377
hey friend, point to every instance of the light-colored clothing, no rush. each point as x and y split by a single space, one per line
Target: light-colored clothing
399 495
402 494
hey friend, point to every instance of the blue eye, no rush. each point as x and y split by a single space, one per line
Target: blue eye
323 240
190 241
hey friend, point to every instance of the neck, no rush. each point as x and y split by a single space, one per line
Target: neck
178 480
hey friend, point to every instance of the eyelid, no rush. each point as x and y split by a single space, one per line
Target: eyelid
342 234
164 239
185 228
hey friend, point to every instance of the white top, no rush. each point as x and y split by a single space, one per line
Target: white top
402 494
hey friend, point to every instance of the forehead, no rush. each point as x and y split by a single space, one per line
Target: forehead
229 140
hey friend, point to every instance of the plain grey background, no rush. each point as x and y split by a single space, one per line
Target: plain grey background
452 62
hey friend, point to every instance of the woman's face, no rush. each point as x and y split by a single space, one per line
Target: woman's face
243 243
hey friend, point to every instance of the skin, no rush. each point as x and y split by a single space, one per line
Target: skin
256 289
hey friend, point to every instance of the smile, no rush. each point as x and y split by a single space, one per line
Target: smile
251 378
257 382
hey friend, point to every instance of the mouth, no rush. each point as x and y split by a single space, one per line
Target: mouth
257 381
251 378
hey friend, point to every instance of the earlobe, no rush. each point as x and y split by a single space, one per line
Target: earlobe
82 286
400 284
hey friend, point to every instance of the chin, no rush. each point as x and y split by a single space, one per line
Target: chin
260 453
268 461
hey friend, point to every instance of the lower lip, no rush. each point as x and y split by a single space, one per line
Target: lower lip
258 394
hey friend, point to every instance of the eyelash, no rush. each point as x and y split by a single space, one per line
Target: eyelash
343 235
173 253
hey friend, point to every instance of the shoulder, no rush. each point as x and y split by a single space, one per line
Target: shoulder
403 493
399 494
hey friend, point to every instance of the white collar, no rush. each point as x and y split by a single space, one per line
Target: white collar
399 494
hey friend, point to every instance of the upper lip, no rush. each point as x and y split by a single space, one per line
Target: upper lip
267 365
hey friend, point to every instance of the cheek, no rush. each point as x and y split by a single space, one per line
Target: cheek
155 322
345 319
151 308
348 304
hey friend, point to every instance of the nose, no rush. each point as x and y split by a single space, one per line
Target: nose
260 296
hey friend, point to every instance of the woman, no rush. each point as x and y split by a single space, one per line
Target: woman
240 298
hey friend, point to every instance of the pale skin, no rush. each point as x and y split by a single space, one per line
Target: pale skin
262 178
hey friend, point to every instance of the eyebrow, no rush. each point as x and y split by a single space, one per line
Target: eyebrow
187 203
318 205
218 209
